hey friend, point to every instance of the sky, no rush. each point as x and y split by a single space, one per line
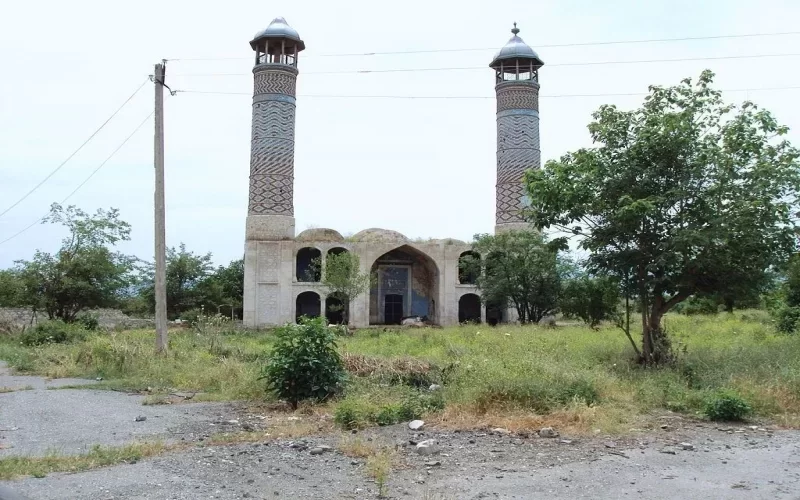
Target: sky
424 167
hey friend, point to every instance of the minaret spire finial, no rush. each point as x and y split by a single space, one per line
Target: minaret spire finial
515 30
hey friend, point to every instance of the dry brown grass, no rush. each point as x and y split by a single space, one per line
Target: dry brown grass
400 367
575 419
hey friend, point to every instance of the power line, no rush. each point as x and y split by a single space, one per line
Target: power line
538 46
37 221
74 152
558 96
470 68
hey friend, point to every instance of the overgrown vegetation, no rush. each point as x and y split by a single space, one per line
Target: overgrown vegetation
99 456
304 363
727 406
572 377
685 195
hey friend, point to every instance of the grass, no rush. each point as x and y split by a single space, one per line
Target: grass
98 456
4 389
573 378
380 458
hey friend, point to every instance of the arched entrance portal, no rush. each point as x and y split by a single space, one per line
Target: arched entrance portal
469 308
307 304
407 285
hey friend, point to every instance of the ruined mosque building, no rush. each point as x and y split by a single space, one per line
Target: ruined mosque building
414 279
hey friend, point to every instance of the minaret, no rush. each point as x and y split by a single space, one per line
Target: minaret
270 212
516 68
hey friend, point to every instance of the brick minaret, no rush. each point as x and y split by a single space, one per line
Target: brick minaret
516 68
270 212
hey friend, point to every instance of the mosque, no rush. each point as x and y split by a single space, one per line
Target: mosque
413 279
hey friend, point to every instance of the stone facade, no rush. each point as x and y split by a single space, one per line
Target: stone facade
273 287
414 278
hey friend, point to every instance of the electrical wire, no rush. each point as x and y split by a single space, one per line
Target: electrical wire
538 46
556 65
74 152
37 221
557 96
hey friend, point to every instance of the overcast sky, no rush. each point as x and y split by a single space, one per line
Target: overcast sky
424 167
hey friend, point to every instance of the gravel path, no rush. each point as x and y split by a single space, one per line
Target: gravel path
687 460
70 421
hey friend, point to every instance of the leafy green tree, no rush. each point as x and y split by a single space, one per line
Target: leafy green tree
521 268
11 288
185 272
223 289
685 195
342 279
591 299
84 273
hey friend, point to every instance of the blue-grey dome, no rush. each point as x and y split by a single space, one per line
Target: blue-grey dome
279 28
516 49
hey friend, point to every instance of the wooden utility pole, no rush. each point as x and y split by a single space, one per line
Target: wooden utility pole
160 216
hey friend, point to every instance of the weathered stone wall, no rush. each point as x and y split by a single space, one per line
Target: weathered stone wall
108 318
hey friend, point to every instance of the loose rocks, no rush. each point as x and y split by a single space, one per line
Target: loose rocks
548 432
416 425
427 447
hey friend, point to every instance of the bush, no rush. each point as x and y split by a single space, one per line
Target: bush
788 318
727 406
52 332
355 412
698 305
304 363
88 321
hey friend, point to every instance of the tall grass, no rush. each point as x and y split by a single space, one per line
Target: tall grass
223 367
512 376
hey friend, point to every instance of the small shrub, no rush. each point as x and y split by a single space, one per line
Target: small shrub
88 321
580 389
390 414
52 332
304 363
727 406
353 414
788 319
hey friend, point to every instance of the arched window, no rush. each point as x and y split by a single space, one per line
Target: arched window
495 313
307 304
469 308
469 264
308 264
334 311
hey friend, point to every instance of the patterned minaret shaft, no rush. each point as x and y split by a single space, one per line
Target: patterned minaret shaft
516 74
270 210
272 143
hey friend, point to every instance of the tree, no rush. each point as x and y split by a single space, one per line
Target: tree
224 287
521 269
11 288
343 279
591 299
185 271
84 273
684 195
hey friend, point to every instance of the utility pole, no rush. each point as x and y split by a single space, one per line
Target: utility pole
160 215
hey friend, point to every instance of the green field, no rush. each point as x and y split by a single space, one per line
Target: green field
512 376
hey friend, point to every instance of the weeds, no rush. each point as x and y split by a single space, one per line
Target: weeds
98 456
4 389
515 377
